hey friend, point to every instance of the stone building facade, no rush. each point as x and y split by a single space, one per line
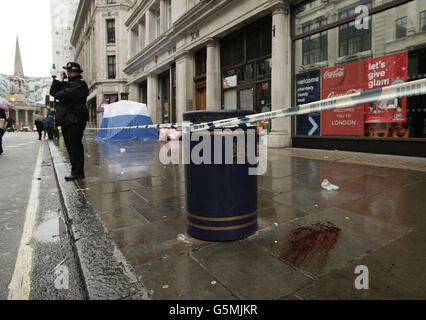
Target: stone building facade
178 54
62 14
184 55
100 41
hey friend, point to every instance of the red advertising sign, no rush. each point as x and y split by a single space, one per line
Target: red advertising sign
383 72
358 77
340 81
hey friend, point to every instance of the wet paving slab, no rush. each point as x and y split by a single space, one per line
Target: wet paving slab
306 234
183 278
323 242
250 271
396 271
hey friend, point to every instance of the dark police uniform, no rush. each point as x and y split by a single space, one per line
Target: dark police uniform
2 116
72 115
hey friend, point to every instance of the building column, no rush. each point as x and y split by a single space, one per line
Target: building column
26 119
134 92
17 124
149 27
179 7
99 100
130 44
163 16
152 91
31 118
185 86
213 76
280 136
141 39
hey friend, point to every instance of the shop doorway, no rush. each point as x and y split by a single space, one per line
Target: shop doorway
201 99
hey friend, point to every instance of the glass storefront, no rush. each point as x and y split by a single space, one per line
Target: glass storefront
247 67
334 55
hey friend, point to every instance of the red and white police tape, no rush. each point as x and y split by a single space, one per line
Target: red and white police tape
398 91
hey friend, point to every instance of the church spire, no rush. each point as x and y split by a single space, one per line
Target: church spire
19 69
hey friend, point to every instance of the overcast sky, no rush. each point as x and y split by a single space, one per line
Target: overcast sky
30 20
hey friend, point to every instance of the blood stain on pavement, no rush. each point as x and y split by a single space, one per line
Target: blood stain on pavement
304 243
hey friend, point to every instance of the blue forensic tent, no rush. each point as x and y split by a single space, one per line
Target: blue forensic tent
126 114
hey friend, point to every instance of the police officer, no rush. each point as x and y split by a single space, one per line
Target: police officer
2 116
72 115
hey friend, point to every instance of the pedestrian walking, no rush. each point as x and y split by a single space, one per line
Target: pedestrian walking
10 125
72 114
39 123
2 128
44 129
49 125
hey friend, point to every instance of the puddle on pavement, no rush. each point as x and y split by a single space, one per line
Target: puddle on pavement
306 243
50 229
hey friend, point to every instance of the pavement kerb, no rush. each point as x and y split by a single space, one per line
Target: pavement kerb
104 270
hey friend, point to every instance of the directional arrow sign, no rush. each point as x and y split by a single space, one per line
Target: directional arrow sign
315 126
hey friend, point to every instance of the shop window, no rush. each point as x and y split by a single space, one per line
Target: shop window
314 48
247 44
263 96
352 40
247 99
253 44
230 99
249 72
226 49
423 21
267 40
241 73
229 73
264 70
245 63
238 50
401 28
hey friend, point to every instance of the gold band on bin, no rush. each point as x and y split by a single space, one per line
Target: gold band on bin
223 219
222 228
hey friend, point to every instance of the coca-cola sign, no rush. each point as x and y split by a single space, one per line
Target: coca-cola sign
335 77
336 95
337 73
341 81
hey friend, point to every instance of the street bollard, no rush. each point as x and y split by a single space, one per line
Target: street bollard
221 196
